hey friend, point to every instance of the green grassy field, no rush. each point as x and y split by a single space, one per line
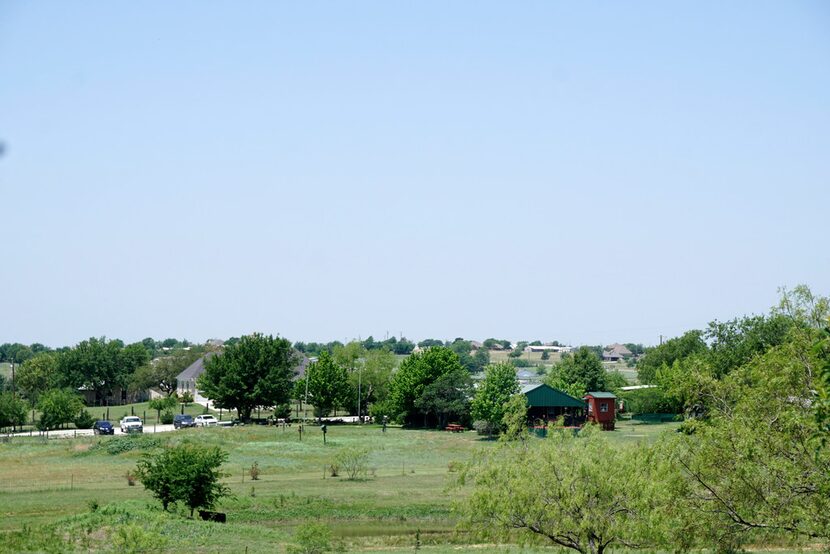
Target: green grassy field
6 370
50 485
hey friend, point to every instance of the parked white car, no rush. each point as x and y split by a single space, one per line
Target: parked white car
205 420
132 424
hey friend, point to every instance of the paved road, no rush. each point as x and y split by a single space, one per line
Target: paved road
71 433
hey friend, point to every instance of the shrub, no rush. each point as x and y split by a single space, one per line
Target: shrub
167 418
353 461
133 538
311 538
84 420
187 473
119 445
484 427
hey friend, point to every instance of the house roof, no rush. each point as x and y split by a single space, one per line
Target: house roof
617 349
600 394
195 369
542 395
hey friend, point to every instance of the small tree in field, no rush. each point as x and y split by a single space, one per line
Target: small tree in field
188 473
353 461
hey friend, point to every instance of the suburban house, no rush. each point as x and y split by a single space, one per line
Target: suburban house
546 403
186 380
602 409
616 352
118 396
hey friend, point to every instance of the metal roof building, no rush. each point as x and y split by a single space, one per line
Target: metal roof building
546 403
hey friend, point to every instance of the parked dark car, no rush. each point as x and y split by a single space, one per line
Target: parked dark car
102 427
183 420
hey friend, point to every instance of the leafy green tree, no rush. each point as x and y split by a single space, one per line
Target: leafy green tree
373 378
514 420
16 352
635 348
615 381
186 473
821 349
12 410
733 343
349 355
328 384
563 491
493 393
750 471
414 374
481 359
256 371
445 398
38 375
665 355
427 343
100 365
58 407
578 373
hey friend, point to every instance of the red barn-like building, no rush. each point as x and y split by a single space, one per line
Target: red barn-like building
602 409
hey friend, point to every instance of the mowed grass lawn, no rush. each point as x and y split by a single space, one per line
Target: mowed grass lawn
42 482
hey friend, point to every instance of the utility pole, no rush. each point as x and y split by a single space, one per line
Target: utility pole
14 396
359 384
305 402
661 340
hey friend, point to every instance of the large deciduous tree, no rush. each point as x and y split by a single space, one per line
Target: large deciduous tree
414 374
493 393
256 371
328 384
38 375
12 410
101 365
578 373
688 344
445 398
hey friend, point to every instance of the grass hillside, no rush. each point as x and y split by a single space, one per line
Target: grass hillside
77 488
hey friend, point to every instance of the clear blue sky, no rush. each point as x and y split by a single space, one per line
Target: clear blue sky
583 171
